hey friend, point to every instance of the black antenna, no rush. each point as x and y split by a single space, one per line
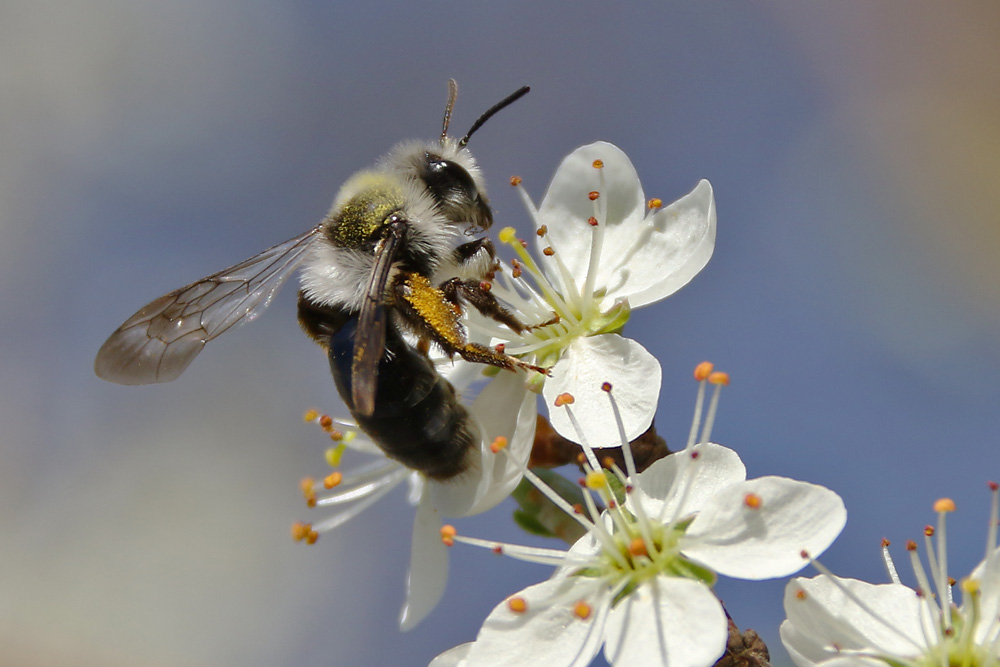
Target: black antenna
505 102
452 96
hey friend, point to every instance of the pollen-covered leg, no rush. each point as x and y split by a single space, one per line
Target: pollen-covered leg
429 310
477 295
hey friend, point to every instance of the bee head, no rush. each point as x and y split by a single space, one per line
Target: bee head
456 186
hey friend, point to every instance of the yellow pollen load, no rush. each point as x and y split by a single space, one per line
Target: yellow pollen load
598 164
311 415
582 610
703 370
944 505
564 398
518 605
655 202
498 443
333 479
596 480
753 501
515 181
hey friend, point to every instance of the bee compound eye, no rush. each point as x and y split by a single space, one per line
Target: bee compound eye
447 179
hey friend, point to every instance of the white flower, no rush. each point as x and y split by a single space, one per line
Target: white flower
639 582
503 408
604 250
838 622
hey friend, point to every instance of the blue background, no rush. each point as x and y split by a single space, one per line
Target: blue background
853 295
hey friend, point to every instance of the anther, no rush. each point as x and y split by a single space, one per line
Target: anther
542 230
598 164
515 181
994 486
326 422
592 221
607 462
498 550
703 370
448 534
333 479
753 501
885 542
800 594
929 531
655 202
911 545
311 537
548 251
518 605
498 443
300 530
606 386
804 554
593 195
577 508
500 347
306 486
719 377
944 505
637 547
311 415
582 610
564 398
485 285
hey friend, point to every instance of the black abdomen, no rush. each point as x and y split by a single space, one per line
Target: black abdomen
418 419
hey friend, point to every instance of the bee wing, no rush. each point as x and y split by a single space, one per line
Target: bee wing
163 337
369 340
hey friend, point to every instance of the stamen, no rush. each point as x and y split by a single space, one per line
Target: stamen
655 203
518 605
448 533
890 566
753 501
333 479
942 507
713 407
333 455
515 181
596 246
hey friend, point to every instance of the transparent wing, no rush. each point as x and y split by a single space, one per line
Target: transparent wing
158 342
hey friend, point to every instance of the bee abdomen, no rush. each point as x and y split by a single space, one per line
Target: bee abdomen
417 419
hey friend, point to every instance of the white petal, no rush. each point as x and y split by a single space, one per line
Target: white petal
548 634
987 573
428 573
588 363
673 245
454 657
566 206
667 621
503 408
665 483
821 617
764 542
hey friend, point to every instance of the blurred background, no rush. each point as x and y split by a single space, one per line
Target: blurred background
854 295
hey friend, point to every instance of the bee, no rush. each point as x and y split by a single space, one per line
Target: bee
380 271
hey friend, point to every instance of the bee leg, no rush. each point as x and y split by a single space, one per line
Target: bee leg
477 295
431 313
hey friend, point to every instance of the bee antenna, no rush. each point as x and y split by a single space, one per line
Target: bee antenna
505 102
452 96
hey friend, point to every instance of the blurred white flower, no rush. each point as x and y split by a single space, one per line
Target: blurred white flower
503 408
639 582
603 250
838 622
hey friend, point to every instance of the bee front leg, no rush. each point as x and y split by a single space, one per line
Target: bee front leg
477 295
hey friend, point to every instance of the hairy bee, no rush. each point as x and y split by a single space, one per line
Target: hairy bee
380 267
